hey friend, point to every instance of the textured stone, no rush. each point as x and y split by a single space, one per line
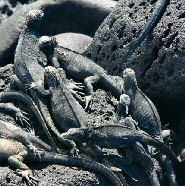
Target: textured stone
158 62
74 41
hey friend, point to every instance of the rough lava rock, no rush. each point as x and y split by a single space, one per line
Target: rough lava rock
74 41
158 62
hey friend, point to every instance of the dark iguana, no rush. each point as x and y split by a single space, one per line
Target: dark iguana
14 149
115 137
143 111
141 107
79 67
29 67
135 152
66 111
69 114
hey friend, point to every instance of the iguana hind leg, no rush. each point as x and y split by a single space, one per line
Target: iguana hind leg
22 169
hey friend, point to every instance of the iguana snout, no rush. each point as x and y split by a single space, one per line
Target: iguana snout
129 77
75 134
47 44
125 99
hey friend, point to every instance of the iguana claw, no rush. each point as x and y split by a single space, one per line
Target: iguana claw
27 174
74 86
21 118
74 152
88 101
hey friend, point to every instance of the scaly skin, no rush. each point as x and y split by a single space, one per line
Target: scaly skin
115 136
11 131
79 67
18 113
15 95
141 107
66 111
158 12
145 113
136 152
15 152
29 67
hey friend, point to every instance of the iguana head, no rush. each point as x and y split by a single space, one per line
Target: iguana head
47 44
75 134
33 18
53 76
125 100
129 78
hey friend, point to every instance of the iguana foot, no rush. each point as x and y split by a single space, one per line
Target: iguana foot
19 116
88 102
74 152
75 86
77 96
27 174
30 86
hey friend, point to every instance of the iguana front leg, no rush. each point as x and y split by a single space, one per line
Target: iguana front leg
19 114
76 90
22 169
15 84
89 89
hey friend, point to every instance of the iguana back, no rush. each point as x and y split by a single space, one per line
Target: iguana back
29 60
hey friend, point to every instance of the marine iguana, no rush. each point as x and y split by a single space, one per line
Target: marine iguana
79 67
135 152
141 107
12 132
29 64
66 111
14 149
114 137
69 114
152 22
143 111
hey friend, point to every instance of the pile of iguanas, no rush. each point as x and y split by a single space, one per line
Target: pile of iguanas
42 70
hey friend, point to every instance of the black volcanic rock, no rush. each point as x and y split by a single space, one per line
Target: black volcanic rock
159 61
74 41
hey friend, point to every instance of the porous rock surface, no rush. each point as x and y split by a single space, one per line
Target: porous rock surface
158 62
75 41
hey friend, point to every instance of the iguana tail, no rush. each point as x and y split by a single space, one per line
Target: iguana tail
39 143
90 165
161 146
110 84
16 95
157 14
